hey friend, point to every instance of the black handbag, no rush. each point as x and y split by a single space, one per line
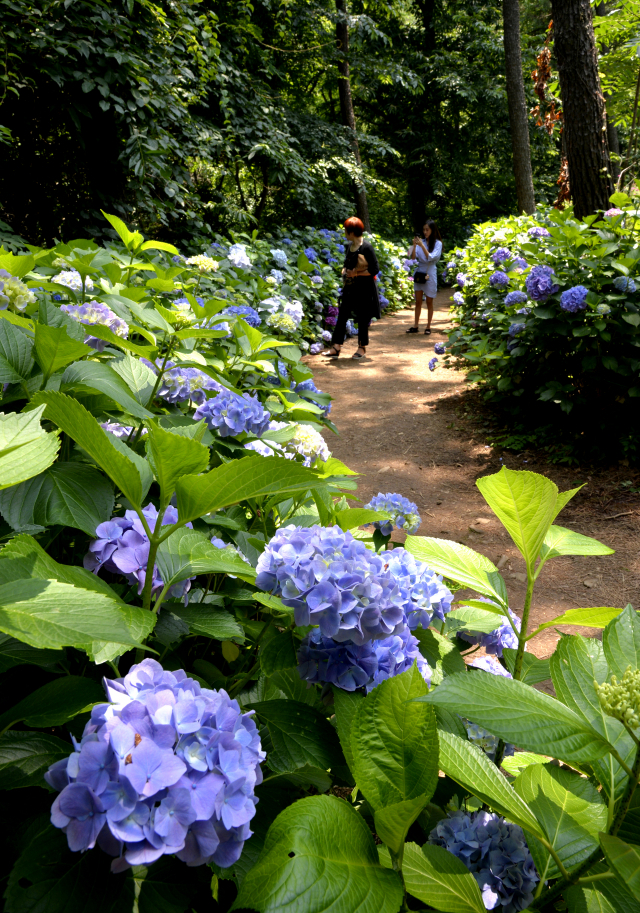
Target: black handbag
420 278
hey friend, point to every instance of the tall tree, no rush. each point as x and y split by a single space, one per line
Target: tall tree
346 106
585 125
518 118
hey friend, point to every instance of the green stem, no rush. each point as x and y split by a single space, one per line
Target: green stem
396 865
522 637
625 802
601 877
154 543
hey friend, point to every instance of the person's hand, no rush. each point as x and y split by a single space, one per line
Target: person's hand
416 240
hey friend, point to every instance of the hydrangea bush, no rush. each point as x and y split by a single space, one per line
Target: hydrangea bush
282 682
571 379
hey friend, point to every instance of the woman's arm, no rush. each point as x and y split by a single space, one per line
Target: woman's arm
436 253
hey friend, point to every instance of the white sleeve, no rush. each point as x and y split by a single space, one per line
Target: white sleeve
436 253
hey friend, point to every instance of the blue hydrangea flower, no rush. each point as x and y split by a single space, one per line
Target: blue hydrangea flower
540 284
245 311
516 328
500 255
485 740
316 348
538 232
425 597
230 414
495 641
182 384
280 258
310 254
499 279
451 265
287 241
496 854
624 284
515 298
439 348
331 579
404 513
461 279
277 275
73 280
520 263
432 364
165 767
458 299
122 547
574 299
95 313
492 664
120 431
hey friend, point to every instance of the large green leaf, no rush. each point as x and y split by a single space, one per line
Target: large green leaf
26 756
597 617
187 552
519 714
443 656
319 857
607 896
525 503
533 670
440 880
54 348
210 620
561 541
278 653
624 860
16 354
459 563
138 377
469 766
54 703
173 456
394 747
351 517
49 614
346 704
80 425
25 448
14 653
576 665
300 736
469 618
101 378
621 642
68 494
249 477
571 811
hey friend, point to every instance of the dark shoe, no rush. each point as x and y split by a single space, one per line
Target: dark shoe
357 355
427 332
331 353
412 330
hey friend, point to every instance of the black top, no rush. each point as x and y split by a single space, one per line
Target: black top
367 251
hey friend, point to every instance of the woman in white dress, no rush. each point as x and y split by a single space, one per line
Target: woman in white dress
427 251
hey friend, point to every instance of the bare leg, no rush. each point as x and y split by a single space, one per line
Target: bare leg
418 294
429 311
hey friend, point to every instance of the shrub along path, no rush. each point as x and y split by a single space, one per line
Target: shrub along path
411 431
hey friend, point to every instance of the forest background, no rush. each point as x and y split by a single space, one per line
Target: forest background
189 118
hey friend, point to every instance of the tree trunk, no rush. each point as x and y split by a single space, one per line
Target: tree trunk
418 166
518 118
612 130
346 106
585 126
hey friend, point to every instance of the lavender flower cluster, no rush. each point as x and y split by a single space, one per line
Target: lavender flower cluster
404 513
538 232
180 384
122 547
539 283
499 279
72 279
95 313
459 299
164 768
461 279
501 255
515 298
496 854
245 311
232 413
574 299
310 254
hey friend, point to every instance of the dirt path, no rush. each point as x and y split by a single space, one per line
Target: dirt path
411 431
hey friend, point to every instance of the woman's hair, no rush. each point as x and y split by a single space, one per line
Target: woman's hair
354 226
435 233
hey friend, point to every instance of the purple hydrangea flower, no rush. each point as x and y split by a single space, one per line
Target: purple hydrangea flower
614 211
404 513
540 284
95 313
501 254
515 298
308 386
516 328
499 279
520 263
574 299
439 348
461 279
118 430
425 597
231 414
490 664
432 364
164 767
496 854
495 641
316 348
310 254
180 385
458 299
122 547
624 284
242 310
538 232
332 580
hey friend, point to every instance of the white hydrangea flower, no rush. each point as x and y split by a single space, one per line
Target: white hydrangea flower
281 321
73 280
203 263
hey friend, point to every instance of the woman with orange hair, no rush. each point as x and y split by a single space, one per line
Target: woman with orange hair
359 294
